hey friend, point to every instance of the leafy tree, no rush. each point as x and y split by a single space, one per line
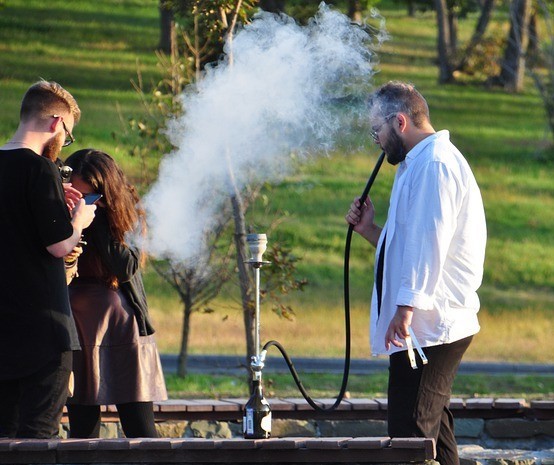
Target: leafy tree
201 28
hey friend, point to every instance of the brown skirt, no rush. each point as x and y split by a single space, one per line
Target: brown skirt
115 365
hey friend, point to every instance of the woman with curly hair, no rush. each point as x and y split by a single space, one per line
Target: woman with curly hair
119 361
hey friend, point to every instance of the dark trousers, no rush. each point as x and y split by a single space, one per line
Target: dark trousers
31 407
137 420
418 399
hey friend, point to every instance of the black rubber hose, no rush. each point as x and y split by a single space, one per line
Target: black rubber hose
347 349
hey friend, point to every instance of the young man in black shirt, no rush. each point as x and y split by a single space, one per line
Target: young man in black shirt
37 332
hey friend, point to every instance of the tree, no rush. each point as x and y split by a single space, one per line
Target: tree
355 11
273 6
544 78
444 46
196 285
487 7
513 63
167 28
203 26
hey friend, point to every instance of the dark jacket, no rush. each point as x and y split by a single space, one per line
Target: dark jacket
120 261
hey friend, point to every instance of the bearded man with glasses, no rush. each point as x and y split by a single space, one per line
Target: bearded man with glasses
37 331
429 264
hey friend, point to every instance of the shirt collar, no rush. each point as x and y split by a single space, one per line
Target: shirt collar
420 146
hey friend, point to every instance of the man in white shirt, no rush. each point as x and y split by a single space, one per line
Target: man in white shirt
429 265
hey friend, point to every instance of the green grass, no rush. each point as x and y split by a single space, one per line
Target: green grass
366 386
96 48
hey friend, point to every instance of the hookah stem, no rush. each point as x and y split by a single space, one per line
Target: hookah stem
257 335
346 371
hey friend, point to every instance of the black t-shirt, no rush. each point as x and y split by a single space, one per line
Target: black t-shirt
35 316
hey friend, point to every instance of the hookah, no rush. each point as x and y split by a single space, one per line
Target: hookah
257 413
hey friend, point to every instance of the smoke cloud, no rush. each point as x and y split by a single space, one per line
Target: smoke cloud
276 96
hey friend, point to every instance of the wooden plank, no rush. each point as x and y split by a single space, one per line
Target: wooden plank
281 405
301 404
456 403
27 451
327 443
407 443
507 403
236 443
383 403
479 403
425 444
327 403
5 444
368 443
363 404
78 444
195 443
34 444
116 444
175 405
157 443
224 406
282 443
542 404
200 405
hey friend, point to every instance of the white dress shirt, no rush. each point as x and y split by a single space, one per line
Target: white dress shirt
435 247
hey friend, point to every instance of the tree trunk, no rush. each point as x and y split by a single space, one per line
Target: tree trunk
167 29
452 33
183 352
513 64
478 33
273 6
355 11
533 49
445 67
245 277
411 8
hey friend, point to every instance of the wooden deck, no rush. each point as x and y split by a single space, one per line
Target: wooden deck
210 451
349 409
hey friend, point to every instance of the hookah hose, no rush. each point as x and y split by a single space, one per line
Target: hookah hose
268 344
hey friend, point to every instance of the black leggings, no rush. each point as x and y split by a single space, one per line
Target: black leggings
137 420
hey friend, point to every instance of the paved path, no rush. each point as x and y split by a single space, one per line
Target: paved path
230 364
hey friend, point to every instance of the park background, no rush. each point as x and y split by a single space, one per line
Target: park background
97 50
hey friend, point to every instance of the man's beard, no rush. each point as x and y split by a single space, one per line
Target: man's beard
395 148
53 148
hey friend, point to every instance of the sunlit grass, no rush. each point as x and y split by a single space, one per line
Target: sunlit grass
359 386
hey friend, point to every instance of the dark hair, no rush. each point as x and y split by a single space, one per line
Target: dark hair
400 97
123 207
44 99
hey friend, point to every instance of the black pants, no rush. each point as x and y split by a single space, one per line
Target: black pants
137 420
31 407
418 399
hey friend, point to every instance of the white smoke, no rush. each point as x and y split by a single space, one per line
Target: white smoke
247 116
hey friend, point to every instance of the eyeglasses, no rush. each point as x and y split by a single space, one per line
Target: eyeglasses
69 139
376 129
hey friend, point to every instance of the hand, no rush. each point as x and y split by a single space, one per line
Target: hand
398 327
72 195
83 214
362 219
73 255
